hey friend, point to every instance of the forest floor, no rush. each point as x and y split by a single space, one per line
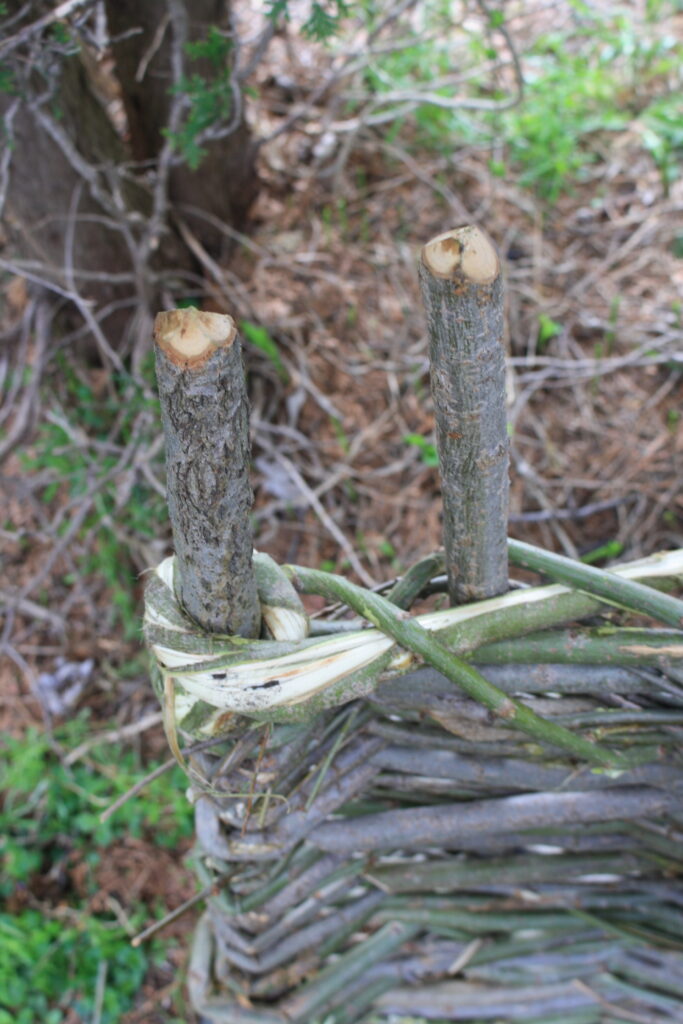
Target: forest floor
342 422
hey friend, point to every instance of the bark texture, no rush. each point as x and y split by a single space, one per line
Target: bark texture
446 824
462 291
205 415
71 199
53 213
225 183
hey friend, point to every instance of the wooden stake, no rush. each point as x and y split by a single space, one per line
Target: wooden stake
205 414
462 291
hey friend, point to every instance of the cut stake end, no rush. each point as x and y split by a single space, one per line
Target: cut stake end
189 336
467 251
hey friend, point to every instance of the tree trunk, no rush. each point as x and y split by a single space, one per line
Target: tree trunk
74 213
55 215
225 183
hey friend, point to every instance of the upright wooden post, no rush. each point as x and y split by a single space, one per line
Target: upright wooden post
462 291
205 415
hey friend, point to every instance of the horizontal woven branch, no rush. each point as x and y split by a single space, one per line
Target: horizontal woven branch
203 677
360 856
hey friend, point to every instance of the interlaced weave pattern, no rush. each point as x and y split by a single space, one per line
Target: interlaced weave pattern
383 847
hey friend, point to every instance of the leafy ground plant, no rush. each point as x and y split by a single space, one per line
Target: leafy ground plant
427 448
59 947
598 73
583 85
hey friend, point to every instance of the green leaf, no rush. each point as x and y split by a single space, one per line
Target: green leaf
323 23
261 339
430 455
386 548
547 329
210 98
215 47
7 81
612 549
278 9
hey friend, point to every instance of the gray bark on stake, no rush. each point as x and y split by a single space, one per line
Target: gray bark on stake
205 415
462 290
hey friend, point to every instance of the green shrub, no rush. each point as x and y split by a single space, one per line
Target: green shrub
51 958
603 75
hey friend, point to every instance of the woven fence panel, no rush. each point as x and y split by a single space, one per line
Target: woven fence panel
408 857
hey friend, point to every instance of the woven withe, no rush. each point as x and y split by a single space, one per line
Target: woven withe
407 855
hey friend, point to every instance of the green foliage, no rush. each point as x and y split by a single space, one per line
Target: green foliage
49 966
61 34
209 96
8 83
50 810
567 99
604 75
208 93
81 444
430 456
581 87
50 815
663 135
673 418
547 329
215 48
386 548
262 340
278 9
323 21
340 434
611 549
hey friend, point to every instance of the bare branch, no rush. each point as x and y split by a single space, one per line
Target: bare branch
60 13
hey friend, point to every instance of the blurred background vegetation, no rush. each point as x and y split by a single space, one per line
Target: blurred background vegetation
283 162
